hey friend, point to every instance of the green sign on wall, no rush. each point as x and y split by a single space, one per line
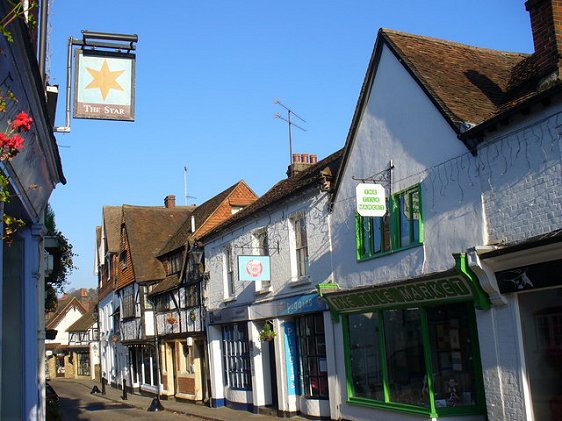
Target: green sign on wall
454 288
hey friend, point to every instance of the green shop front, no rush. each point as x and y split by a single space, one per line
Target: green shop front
411 347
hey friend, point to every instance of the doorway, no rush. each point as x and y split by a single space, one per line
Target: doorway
273 374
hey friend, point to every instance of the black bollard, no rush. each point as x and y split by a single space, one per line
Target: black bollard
124 397
103 385
155 406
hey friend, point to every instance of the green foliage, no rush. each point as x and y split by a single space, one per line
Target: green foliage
63 264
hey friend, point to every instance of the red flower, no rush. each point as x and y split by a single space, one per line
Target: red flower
3 139
15 142
22 121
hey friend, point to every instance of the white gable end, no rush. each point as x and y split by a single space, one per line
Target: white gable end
400 123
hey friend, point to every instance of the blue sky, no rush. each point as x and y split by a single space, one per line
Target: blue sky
208 73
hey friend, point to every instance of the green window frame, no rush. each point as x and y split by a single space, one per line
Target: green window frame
399 229
419 360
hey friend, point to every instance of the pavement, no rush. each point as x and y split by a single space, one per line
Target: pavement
193 410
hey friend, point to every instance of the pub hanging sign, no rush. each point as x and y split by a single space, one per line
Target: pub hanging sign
104 85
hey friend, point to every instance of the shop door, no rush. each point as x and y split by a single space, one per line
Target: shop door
60 365
541 323
174 366
273 375
83 363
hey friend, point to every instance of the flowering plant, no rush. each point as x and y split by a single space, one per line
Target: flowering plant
267 334
11 143
171 320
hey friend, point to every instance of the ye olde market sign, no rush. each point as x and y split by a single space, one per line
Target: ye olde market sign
455 288
104 85
370 199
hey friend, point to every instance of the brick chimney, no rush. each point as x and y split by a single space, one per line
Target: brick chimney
546 25
301 161
83 292
170 201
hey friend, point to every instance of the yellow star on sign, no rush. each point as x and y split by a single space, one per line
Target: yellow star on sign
104 79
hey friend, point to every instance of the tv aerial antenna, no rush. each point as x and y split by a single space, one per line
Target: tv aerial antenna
289 123
185 186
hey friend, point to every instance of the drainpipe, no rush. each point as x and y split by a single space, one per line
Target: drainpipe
43 23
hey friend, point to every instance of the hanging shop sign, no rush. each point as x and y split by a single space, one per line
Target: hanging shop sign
254 268
541 275
419 292
370 199
104 85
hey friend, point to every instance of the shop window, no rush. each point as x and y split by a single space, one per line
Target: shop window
400 228
366 369
312 348
419 360
236 356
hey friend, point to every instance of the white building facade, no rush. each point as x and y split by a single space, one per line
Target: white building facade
284 233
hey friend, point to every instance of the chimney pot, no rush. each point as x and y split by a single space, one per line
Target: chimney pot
546 25
170 201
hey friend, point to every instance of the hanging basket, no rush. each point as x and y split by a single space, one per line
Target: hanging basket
267 334
171 320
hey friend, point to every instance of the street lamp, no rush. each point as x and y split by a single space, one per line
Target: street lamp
156 405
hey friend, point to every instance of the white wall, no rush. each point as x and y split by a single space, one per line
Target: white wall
277 223
521 169
401 124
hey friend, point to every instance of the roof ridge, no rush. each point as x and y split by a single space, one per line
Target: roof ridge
453 43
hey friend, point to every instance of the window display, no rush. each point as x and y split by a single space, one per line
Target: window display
421 360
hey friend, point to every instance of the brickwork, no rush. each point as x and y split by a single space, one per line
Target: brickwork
522 182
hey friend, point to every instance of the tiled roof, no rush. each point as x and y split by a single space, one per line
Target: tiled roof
169 283
148 228
285 189
201 214
469 84
83 323
112 225
53 318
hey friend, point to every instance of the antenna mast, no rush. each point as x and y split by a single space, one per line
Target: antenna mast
185 185
290 123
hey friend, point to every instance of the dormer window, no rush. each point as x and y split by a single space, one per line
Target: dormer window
174 263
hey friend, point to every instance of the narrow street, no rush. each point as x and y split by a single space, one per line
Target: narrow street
76 403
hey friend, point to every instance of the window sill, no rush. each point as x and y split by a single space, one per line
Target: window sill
303 280
263 291
386 253
229 300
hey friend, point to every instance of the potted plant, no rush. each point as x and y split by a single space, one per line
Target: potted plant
267 334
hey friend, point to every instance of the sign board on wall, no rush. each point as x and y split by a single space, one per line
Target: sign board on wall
371 199
254 268
104 85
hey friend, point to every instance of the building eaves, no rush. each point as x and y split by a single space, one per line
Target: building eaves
283 190
83 323
201 214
